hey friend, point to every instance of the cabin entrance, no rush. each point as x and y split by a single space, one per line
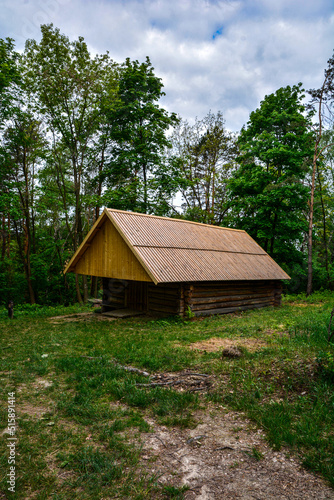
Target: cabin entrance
136 296
121 294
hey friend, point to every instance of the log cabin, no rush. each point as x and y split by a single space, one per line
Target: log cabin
170 266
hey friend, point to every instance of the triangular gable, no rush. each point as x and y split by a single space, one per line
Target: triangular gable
105 253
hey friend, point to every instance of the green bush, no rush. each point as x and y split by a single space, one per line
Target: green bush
325 361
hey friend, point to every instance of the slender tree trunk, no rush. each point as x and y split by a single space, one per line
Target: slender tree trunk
310 225
77 289
145 187
324 226
273 236
213 194
8 241
32 297
85 288
4 237
94 286
25 257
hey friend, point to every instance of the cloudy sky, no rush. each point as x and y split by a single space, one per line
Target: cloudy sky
218 55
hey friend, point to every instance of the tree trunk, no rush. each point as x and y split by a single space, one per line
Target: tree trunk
32 297
85 288
77 288
324 227
4 237
273 235
310 225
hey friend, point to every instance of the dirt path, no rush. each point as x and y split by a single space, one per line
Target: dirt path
223 458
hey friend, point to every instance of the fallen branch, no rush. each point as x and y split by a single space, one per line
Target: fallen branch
123 367
132 369
161 441
196 438
155 384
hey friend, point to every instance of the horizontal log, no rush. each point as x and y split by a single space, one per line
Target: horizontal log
157 301
226 310
231 286
233 296
168 303
236 283
226 298
168 310
229 290
233 291
249 303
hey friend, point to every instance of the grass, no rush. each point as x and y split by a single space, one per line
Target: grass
80 422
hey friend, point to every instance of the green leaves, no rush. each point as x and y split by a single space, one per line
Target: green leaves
205 151
138 141
269 190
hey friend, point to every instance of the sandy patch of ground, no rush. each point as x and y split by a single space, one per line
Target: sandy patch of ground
38 384
32 410
81 317
217 461
302 304
217 344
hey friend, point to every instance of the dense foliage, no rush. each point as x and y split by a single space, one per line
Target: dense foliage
268 192
79 132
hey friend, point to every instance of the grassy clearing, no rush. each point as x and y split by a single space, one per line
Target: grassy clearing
80 420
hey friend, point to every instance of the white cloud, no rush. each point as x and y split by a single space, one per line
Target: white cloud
218 55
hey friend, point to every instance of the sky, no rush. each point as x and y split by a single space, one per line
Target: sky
212 55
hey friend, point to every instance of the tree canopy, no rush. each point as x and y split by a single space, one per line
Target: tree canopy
268 193
138 140
79 132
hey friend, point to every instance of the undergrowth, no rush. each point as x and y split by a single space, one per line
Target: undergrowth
81 418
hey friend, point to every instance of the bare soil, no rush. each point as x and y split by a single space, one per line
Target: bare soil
217 344
224 457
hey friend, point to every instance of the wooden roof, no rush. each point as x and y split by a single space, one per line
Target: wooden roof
129 245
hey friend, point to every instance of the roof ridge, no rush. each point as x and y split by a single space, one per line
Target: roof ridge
199 249
177 220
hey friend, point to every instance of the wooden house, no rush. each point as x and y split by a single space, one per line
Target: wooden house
172 266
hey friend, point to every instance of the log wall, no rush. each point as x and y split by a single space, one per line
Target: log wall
201 298
165 298
205 298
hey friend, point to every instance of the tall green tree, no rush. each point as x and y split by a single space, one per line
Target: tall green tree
138 140
70 89
10 79
322 101
24 145
206 152
9 75
323 220
269 192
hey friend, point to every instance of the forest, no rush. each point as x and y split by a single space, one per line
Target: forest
81 132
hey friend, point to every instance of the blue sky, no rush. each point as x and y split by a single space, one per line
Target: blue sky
211 54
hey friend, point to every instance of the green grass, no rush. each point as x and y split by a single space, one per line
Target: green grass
82 433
